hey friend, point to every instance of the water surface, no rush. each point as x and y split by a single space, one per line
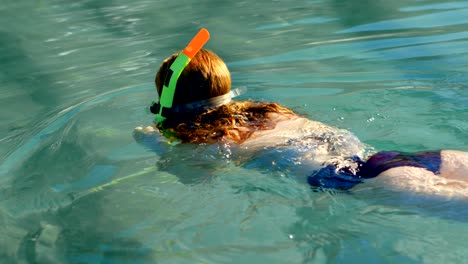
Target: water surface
75 78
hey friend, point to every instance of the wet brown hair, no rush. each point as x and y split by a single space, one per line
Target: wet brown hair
207 76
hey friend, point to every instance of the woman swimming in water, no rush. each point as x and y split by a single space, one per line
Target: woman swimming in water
200 110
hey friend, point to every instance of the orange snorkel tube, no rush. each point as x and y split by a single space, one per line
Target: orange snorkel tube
170 82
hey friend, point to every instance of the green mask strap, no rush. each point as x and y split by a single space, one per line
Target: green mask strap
170 82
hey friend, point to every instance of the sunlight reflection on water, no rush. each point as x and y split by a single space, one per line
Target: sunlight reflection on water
76 77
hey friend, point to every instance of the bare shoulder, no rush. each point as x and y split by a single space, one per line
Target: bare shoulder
286 126
294 130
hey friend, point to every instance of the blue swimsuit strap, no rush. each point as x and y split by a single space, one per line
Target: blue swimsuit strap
334 176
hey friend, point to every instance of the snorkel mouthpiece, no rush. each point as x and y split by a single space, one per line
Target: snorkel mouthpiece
166 99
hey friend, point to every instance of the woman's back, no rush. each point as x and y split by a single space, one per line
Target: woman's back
300 146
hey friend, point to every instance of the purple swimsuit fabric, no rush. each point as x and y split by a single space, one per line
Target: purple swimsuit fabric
332 177
385 160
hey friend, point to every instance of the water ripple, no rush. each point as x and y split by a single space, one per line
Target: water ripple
435 20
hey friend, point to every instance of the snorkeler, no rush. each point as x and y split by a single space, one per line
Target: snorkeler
196 106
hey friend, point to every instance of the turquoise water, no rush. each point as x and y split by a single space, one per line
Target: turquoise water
75 78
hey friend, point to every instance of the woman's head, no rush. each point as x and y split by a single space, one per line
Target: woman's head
206 76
